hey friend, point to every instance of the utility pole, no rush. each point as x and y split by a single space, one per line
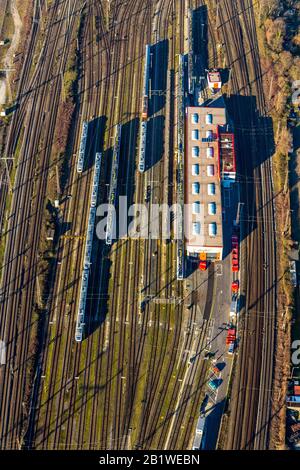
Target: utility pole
286 183
40 9
108 12
271 87
69 13
63 86
57 180
229 83
5 159
238 214
259 15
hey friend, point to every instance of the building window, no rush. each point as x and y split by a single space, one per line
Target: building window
195 118
212 208
209 119
209 135
210 170
212 229
195 152
196 207
195 169
196 228
195 134
196 188
211 189
210 152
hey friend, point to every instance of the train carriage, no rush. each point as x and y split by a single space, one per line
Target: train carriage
82 148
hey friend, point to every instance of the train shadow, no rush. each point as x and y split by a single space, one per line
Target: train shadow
294 184
98 280
212 424
95 140
254 145
191 266
200 40
127 169
98 293
155 141
210 291
61 228
158 76
97 298
200 43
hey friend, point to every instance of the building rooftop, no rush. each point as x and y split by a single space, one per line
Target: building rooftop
227 156
214 76
203 219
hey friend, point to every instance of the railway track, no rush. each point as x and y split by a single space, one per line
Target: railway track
29 442
104 425
92 438
24 93
152 259
116 389
63 290
63 431
113 433
250 406
20 268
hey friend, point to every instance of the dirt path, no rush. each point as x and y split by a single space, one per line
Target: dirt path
8 60
16 37
2 91
295 184
3 6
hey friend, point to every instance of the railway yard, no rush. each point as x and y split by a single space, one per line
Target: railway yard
151 353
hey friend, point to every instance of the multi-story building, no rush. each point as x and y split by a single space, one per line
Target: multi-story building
209 161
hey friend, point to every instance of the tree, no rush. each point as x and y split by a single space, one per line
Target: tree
296 38
268 7
275 32
294 70
286 60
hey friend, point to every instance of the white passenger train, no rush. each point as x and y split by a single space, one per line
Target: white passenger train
80 321
82 304
180 171
145 111
81 155
146 83
142 149
113 188
96 179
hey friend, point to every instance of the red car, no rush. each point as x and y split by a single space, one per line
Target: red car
202 265
216 370
231 335
235 253
235 287
235 265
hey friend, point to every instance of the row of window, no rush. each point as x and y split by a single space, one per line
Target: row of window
212 229
196 152
211 208
211 188
208 118
210 170
195 134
